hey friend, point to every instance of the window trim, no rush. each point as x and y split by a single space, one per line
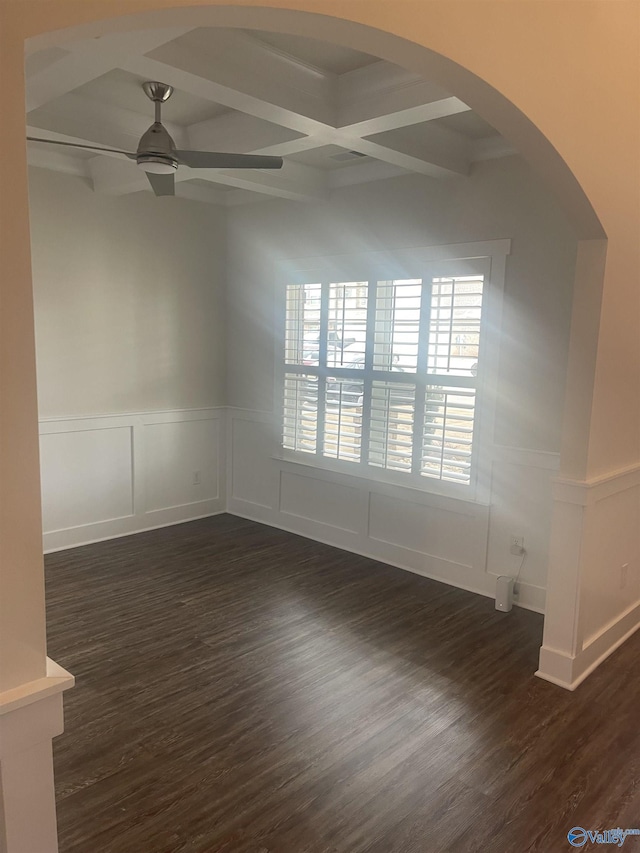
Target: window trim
403 264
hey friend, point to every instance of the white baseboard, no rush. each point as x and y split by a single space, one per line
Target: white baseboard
265 515
569 672
74 537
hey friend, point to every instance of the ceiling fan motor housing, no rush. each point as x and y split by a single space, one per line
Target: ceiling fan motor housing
157 149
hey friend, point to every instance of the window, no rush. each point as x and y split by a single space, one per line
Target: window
382 374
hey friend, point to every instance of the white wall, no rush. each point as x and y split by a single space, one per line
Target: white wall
129 300
121 449
142 341
456 541
131 354
501 199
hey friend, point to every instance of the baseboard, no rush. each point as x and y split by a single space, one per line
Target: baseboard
75 537
569 672
264 515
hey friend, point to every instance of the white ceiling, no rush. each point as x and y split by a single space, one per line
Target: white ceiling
121 89
331 58
336 115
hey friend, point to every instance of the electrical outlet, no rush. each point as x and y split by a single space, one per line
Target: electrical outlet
624 575
516 545
196 478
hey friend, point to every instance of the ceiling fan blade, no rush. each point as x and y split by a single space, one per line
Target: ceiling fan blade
162 184
80 145
218 160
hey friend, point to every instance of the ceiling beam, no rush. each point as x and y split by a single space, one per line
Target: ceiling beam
441 153
433 150
405 117
230 68
363 99
91 58
235 98
438 152
238 132
382 96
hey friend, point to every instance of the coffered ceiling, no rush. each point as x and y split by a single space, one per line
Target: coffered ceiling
337 116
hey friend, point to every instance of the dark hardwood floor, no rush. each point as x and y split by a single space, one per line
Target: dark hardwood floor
244 690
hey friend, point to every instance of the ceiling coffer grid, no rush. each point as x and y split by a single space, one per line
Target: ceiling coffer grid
336 116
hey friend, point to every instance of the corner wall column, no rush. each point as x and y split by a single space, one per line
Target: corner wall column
30 686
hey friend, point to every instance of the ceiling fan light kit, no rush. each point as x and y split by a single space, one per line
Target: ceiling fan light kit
157 154
157 165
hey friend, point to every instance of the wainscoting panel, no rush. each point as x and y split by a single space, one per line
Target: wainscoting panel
112 475
521 505
254 480
86 476
464 543
181 463
595 565
427 529
615 591
315 499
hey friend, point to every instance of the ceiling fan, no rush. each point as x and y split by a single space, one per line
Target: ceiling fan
157 154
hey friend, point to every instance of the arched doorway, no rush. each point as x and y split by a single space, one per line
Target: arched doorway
467 85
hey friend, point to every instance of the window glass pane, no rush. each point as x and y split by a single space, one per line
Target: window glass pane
448 433
397 325
347 322
343 419
454 325
391 425
302 324
300 417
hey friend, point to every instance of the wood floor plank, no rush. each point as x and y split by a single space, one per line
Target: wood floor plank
244 690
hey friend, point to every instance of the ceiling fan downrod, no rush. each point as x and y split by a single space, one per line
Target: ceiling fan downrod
157 151
158 93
